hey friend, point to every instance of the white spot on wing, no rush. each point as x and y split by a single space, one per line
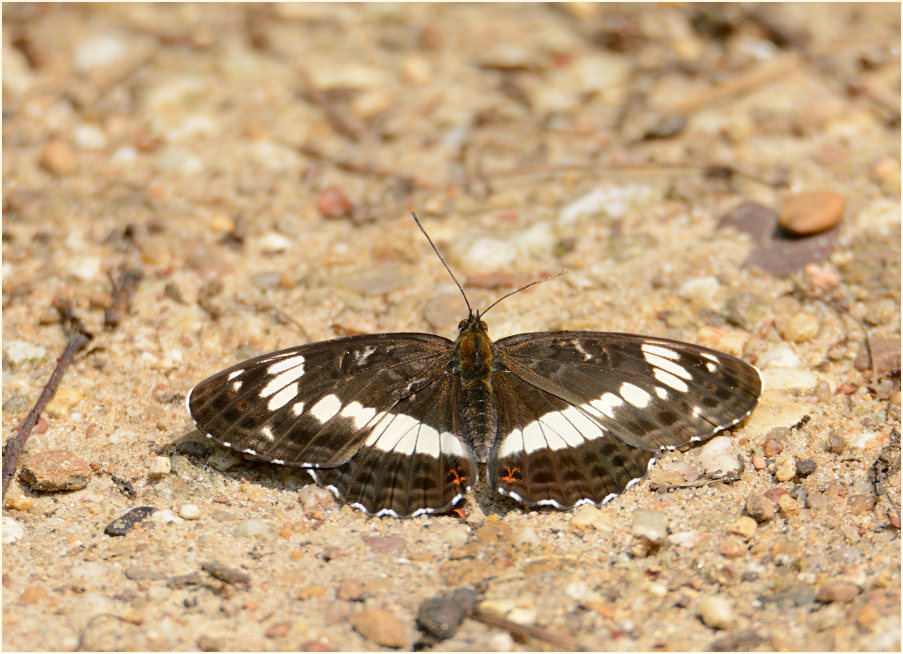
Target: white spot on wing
635 395
296 361
711 367
267 433
659 350
360 358
282 380
360 414
670 380
283 397
234 374
669 366
236 386
710 357
605 405
326 408
513 444
298 408
661 392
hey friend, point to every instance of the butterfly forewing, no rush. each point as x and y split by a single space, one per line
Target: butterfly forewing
312 405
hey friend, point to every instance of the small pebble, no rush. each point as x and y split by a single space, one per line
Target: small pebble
772 447
717 457
256 527
126 522
274 243
787 505
744 526
651 525
836 591
590 517
226 574
350 590
314 498
64 399
801 327
759 463
822 391
55 470
332 203
381 627
189 511
836 443
33 595
98 51
760 507
731 547
388 545
784 467
165 517
442 615
370 103
222 460
159 467
19 503
805 467
716 612
812 212
861 503
17 353
58 158
416 70
526 537
12 530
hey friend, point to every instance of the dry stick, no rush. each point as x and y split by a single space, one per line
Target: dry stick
78 338
525 631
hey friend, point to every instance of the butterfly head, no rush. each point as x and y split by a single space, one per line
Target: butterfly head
473 323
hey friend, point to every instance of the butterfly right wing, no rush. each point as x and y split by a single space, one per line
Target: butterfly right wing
313 405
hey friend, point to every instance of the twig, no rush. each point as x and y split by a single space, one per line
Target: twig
406 183
123 288
78 338
525 631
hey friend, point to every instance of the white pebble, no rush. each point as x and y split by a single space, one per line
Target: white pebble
651 525
222 460
781 356
718 456
89 137
273 243
699 291
15 353
159 467
12 530
166 517
189 511
98 51
716 612
255 527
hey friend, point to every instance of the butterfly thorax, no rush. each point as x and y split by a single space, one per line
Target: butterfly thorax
474 362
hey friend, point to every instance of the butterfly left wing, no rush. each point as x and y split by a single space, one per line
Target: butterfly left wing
607 400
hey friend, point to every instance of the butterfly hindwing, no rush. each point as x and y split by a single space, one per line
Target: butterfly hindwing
412 461
551 452
312 405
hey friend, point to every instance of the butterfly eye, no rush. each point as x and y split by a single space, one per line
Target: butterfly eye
483 327
462 325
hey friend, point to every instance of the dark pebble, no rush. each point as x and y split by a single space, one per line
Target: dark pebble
124 524
195 447
744 640
805 467
225 574
441 616
137 573
799 594
760 508
836 443
181 581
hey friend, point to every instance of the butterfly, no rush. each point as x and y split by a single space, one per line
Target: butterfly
401 424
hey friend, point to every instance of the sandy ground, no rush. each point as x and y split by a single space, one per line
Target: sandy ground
254 164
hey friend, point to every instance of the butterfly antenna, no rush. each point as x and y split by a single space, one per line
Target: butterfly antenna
433 245
523 288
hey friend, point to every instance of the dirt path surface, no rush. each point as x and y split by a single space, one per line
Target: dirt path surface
199 184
